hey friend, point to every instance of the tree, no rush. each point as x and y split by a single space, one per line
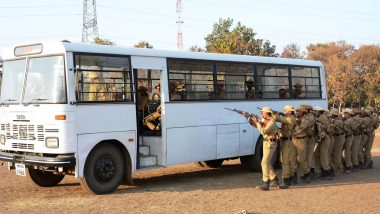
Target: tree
366 63
196 48
100 41
143 44
339 79
238 40
293 51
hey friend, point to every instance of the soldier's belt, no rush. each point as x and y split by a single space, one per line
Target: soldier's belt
286 138
336 135
300 137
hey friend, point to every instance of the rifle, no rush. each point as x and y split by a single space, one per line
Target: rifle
274 112
245 114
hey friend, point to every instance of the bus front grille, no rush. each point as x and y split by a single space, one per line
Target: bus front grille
26 132
27 146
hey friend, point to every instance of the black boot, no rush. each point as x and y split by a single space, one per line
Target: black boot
332 172
347 170
325 175
369 165
361 165
355 168
293 179
274 182
312 173
322 175
306 178
265 186
285 184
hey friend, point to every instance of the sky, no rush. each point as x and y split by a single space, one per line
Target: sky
126 22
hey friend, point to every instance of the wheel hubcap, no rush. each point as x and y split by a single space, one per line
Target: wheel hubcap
105 168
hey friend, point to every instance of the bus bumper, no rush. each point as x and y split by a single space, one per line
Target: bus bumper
30 160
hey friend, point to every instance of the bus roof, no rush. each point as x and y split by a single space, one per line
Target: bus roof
59 47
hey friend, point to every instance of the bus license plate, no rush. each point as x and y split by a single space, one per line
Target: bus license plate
20 169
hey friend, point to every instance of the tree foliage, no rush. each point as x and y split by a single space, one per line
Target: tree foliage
353 75
100 41
240 39
143 44
293 51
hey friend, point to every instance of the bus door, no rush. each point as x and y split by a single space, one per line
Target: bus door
149 84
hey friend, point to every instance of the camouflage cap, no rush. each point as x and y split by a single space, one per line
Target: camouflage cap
302 108
370 108
356 111
328 114
289 108
266 110
334 111
348 111
307 107
368 112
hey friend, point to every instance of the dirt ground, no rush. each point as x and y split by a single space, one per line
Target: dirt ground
190 189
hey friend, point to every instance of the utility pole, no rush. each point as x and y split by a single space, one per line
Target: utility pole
90 24
179 22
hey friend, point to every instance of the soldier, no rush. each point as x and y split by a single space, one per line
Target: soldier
339 137
368 164
358 140
311 141
299 138
288 150
348 126
322 154
270 133
331 146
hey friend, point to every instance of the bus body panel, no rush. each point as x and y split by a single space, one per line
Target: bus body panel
86 142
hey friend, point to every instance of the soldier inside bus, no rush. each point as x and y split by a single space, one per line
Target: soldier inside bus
173 94
142 103
157 95
298 92
220 92
96 90
283 92
250 93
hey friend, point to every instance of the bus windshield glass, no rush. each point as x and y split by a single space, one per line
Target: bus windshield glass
12 81
45 80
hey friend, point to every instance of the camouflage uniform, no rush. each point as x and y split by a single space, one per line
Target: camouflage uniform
270 133
311 141
288 150
348 126
322 154
300 134
357 139
374 124
339 137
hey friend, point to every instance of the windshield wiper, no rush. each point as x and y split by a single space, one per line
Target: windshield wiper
7 100
37 99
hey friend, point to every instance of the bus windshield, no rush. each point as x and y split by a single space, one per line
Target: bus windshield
45 80
12 80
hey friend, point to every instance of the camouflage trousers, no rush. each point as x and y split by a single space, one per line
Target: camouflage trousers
356 147
322 155
337 154
347 151
301 148
288 158
368 147
311 143
363 143
331 151
269 149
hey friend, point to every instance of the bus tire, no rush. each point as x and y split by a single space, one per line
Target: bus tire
44 178
253 162
104 169
214 163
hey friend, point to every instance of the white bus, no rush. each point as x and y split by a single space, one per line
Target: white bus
73 109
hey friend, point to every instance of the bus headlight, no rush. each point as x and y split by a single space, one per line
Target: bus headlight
52 142
2 139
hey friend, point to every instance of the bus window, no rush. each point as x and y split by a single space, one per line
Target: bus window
271 79
196 76
103 78
238 80
306 82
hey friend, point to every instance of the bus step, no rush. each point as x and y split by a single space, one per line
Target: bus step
144 150
148 160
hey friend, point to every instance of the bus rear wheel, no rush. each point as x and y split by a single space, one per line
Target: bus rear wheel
104 169
43 178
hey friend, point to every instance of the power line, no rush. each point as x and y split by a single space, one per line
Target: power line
40 15
40 6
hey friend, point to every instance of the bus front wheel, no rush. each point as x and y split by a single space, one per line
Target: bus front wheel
104 169
43 178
